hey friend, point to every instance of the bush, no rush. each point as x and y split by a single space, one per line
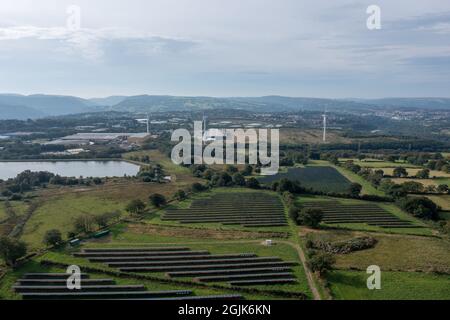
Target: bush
344 246
180 195
253 183
104 219
84 224
238 179
310 217
53 237
135 206
422 208
355 189
198 187
294 213
321 262
11 250
157 200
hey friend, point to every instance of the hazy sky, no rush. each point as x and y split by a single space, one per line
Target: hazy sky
317 48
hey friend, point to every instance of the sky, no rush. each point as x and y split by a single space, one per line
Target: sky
317 48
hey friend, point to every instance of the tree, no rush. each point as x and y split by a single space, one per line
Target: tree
442 188
421 207
84 224
197 187
180 195
253 183
355 189
231 169
423 174
321 262
238 179
157 200
105 218
11 250
294 213
135 206
53 237
400 172
412 186
224 179
310 217
248 169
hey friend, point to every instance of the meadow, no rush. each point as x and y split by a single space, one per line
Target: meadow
351 285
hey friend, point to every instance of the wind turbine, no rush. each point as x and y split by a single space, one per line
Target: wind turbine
148 124
324 116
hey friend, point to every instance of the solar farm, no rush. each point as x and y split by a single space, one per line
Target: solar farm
249 209
368 213
53 286
237 269
318 178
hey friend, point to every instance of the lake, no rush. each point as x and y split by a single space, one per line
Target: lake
99 169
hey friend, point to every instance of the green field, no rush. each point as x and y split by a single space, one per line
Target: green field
319 178
60 212
399 253
351 285
373 163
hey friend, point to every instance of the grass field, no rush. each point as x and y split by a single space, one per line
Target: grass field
374 163
59 213
412 172
399 253
320 178
441 200
425 182
3 214
301 136
181 176
18 207
351 285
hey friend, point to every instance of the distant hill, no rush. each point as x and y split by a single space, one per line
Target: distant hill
108 101
409 103
146 103
49 105
39 105
8 112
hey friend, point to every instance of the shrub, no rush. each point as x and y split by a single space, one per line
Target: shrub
104 219
294 213
253 183
11 250
52 237
180 195
321 262
157 200
135 206
310 217
421 207
197 187
84 224
355 189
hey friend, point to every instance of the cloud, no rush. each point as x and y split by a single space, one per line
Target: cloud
91 43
